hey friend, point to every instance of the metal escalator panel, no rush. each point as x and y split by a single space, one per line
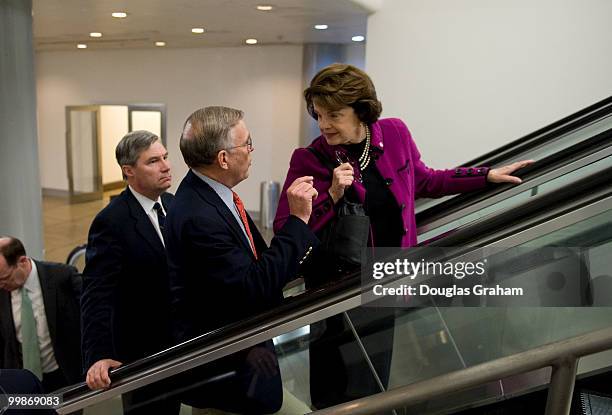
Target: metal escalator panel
570 169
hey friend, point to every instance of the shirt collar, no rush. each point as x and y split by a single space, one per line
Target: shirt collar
32 284
224 192
146 203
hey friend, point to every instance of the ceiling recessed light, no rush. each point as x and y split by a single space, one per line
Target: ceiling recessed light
95 34
81 46
119 15
160 43
197 30
251 41
320 26
265 7
358 38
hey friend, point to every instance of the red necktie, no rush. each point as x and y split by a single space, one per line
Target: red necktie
245 222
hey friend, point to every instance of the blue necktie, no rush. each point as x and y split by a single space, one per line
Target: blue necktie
161 218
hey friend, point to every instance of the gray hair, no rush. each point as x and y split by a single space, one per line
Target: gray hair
206 132
132 145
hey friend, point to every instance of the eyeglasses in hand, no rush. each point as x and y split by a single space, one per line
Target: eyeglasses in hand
342 158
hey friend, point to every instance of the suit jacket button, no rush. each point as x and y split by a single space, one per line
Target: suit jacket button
403 206
405 231
388 181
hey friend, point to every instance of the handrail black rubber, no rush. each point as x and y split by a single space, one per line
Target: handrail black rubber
540 167
543 135
509 152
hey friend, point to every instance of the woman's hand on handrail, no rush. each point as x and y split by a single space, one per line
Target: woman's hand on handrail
504 174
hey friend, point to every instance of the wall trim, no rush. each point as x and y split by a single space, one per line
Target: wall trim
47 192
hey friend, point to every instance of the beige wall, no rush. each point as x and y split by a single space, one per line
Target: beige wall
468 76
265 82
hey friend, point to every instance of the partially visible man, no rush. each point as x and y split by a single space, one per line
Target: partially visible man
125 303
20 382
221 270
39 316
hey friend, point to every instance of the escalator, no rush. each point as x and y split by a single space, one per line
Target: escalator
565 201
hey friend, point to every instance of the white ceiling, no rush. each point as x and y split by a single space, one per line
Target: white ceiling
61 24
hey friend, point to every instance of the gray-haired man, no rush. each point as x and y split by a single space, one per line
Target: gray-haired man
125 300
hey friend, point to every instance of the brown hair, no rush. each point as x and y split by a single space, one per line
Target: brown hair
339 85
206 132
12 250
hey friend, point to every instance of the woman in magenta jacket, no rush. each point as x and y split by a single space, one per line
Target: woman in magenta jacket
380 165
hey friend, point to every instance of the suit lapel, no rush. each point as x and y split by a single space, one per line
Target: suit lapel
143 224
260 243
49 294
166 199
211 197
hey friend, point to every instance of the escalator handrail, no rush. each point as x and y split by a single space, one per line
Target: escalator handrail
305 309
464 204
562 354
517 148
545 134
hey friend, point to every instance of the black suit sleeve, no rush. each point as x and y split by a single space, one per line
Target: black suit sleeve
231 272
100 282
76 281
2 341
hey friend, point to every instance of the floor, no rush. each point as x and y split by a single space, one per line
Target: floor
66 225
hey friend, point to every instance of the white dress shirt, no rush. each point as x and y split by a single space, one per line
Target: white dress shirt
147 204
33 290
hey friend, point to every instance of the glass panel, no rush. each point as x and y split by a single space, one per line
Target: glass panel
565 141
327 350
83 151
323 364
147 120
516 200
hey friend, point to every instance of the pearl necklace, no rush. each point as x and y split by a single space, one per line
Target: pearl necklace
364 159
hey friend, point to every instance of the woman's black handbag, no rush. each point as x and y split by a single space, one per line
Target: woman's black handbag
343 240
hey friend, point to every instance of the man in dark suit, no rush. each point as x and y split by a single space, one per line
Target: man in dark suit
39 317
221 270
125 302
